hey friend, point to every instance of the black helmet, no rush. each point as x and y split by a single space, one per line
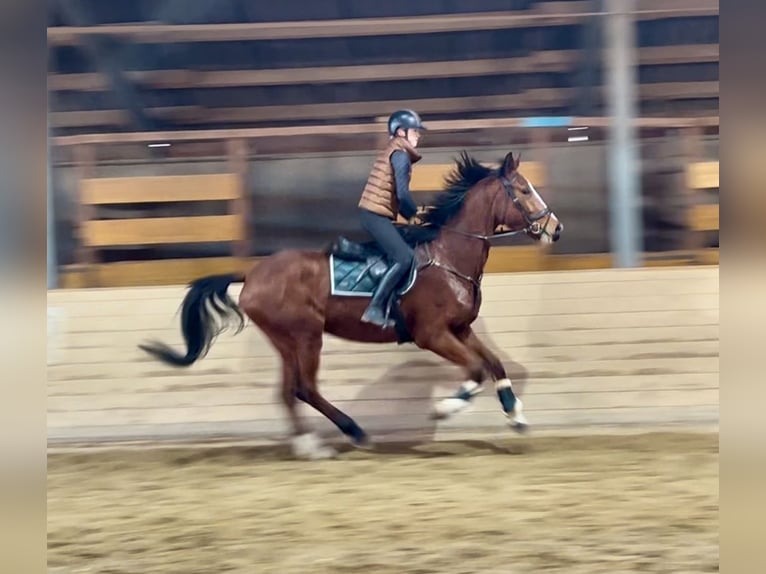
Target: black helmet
406 119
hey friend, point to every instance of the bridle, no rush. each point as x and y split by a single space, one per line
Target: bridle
531 219
533 227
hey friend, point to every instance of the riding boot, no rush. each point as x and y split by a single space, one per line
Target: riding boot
375 312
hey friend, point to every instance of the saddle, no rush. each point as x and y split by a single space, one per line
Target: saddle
361 266
357 268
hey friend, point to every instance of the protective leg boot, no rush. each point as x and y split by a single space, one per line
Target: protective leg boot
375 312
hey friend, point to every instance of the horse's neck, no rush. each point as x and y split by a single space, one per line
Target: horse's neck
467 255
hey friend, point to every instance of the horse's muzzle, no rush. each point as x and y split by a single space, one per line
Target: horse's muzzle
557 232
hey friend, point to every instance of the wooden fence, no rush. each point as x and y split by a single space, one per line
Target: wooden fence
703 215
584 348
427 179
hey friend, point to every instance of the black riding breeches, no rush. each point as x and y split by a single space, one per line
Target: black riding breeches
388 238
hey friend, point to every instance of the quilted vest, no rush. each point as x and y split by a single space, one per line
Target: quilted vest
379 195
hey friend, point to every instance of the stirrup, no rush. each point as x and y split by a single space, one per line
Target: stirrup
381 317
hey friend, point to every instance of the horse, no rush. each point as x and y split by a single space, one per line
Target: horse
295 296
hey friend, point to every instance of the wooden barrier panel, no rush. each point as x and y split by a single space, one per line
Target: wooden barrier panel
99 231
703 176
147 273
163 188
162 230
704 218
584 348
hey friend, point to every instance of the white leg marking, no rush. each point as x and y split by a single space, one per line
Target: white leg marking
504 384
308 446
516 416
452 405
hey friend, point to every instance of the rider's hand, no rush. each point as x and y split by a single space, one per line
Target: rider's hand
417 218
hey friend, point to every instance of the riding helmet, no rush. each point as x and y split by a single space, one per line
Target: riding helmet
406 119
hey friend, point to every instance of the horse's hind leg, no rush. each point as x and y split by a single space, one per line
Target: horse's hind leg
289 390
309 349
305 443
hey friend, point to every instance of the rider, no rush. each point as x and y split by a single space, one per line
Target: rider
386 194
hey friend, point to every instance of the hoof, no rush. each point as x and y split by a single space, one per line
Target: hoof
516 418
520 428
324 453
459 402
445 408
362 441
364 444
308 447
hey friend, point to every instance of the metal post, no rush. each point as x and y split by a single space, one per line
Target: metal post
52 264
624 173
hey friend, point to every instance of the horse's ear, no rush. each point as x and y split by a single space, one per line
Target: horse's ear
509 164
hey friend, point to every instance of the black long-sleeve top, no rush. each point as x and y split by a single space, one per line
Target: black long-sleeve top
402 165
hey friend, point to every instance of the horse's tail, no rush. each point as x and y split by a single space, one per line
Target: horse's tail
206 311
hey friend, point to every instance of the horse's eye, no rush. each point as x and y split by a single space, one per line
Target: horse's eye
526 191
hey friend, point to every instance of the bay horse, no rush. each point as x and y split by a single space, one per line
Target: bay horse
292 296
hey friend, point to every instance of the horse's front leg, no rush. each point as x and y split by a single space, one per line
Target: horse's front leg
512 405
448 346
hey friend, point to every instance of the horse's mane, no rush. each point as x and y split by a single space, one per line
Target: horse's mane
466 173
